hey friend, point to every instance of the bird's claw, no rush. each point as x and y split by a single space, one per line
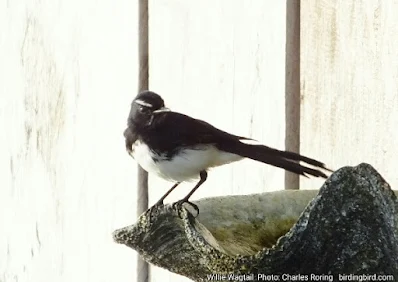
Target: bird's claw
155 207
159 203
178 206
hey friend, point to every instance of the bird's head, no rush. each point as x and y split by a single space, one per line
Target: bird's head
144 106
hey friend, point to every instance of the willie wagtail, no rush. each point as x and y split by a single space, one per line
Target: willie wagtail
180 148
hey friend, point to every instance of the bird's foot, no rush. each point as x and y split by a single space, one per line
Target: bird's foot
178 206
159 203
155 207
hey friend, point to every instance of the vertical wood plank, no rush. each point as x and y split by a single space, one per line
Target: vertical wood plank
142 185
68 72
223 62
349 59
292 82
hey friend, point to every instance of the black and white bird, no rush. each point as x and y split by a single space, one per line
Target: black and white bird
179 148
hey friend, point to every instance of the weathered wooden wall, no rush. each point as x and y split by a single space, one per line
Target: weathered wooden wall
224 62
68 71
349 84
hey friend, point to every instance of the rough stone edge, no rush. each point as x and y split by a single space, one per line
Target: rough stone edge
212 256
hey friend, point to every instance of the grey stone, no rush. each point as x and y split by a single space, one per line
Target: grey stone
348 227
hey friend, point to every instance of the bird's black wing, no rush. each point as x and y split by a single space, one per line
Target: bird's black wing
170 130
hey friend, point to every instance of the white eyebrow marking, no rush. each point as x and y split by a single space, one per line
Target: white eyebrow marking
142 103
164 109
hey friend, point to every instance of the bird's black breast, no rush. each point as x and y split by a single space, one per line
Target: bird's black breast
130 137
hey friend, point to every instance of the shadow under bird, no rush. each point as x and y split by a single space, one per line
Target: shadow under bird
179 148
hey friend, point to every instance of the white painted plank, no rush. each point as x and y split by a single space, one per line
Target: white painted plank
68 73
223 62
349 84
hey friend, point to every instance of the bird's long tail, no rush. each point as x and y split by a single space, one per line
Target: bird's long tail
283 159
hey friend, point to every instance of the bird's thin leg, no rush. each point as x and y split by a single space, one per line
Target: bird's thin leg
203 177
160 202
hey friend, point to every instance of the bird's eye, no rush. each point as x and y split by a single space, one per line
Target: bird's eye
143 109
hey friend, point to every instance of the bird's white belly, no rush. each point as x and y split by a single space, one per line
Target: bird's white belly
185 165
